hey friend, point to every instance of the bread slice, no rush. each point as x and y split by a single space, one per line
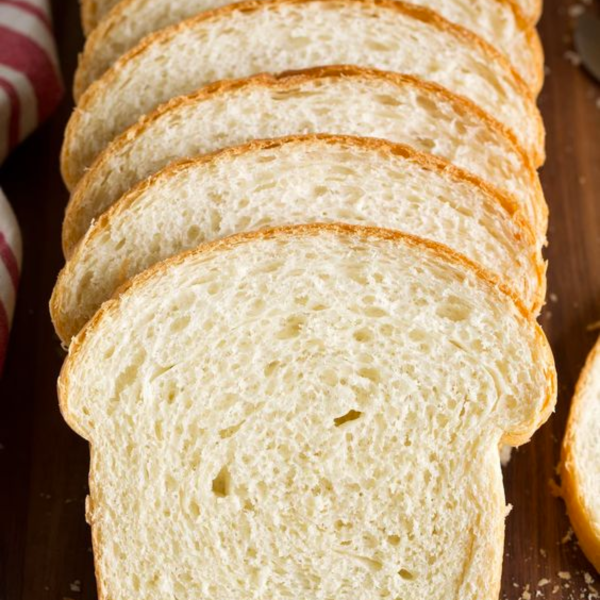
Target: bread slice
496 21
277 35
336 100
94 11
580 465
295 180
310 412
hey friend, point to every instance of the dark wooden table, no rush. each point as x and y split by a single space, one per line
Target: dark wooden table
44 541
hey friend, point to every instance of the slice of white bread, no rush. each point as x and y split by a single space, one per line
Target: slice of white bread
580 464
310 412
277 35
496 21
93 12
334 100
301 179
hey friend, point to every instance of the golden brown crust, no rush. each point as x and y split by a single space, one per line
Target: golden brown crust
89 15
582 521
285 81
116 15
164 36
534 13
62 323
356 231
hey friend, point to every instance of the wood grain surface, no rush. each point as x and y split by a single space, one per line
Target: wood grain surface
44 540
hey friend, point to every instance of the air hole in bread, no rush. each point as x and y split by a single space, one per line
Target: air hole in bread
374 311
270 368
179 324
292 328
406 574
351 415
329 377
193 232
394 540
370 374
213 288
363 335
229 431
387 100
221 483
453 309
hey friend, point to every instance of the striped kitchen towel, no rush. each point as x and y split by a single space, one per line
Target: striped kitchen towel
30 89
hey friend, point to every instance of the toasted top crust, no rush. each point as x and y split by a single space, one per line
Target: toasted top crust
578 468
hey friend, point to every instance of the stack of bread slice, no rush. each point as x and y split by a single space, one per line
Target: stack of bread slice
303 267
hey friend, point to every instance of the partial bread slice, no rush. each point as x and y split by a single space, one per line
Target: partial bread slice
94 11
496 21
580 464
333 100
277 35
295 180
310 412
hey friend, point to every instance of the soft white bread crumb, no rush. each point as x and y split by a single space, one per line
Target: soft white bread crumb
313 412
333 100
580 464
498 22
295 180
278 35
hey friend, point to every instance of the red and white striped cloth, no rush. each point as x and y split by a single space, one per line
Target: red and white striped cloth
30 89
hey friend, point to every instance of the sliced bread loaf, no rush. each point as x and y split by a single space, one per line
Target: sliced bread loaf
310 412
580 465
496 21
334 100
276 35
295 180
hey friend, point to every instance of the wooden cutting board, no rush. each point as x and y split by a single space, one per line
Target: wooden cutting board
44 541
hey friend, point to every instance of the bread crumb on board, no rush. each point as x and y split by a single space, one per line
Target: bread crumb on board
576 10
596 324
572 57
568 536
526 595
564 575
505 454
75 586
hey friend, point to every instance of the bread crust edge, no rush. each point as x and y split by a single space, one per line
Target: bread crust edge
587 535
